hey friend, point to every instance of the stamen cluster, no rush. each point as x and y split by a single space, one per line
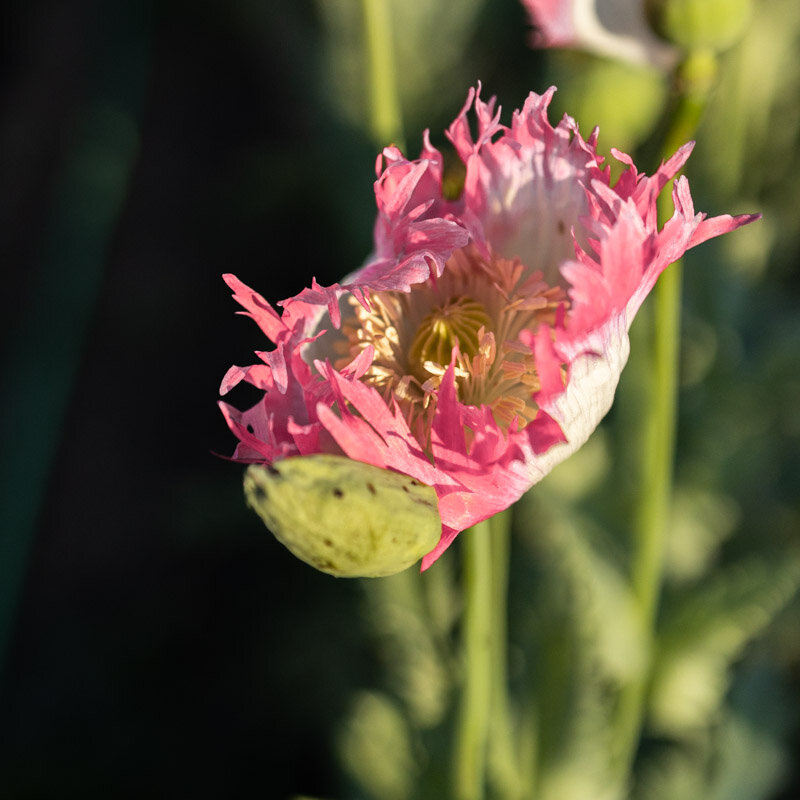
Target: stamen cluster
472 316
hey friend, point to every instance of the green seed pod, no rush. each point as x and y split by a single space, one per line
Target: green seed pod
345 517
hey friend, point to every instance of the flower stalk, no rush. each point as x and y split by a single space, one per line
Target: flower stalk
484 749
479 644
386 121
504 769
694 80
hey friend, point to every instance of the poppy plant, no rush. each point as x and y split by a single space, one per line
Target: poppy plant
482 341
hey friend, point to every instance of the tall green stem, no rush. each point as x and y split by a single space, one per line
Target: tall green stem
386 120
476 702
657 438
504 768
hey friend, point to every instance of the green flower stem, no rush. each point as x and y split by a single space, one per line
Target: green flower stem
504 771
479 654
657 439
386 120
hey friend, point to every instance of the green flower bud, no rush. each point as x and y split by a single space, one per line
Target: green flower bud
695 24
345 517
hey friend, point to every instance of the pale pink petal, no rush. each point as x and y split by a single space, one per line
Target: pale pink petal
259 375
716 226
256 307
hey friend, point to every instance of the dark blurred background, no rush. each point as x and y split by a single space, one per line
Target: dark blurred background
156 641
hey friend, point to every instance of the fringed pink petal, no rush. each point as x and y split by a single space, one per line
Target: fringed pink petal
397 191
257 440
448 536
459 132
258 375
384 437
276 361
307 438
325 296
544 433
256 307
716 226
548 364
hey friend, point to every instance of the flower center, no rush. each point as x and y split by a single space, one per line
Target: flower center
457 322
481 306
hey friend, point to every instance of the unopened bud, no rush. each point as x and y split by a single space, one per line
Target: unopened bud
698 24
345 517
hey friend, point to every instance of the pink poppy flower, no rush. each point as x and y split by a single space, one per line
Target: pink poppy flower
612 28
481 344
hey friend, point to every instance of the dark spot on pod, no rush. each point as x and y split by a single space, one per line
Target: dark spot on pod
371 489
250 429
338 492
327 542
260 492
415 483
561 227
406 489
273 470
